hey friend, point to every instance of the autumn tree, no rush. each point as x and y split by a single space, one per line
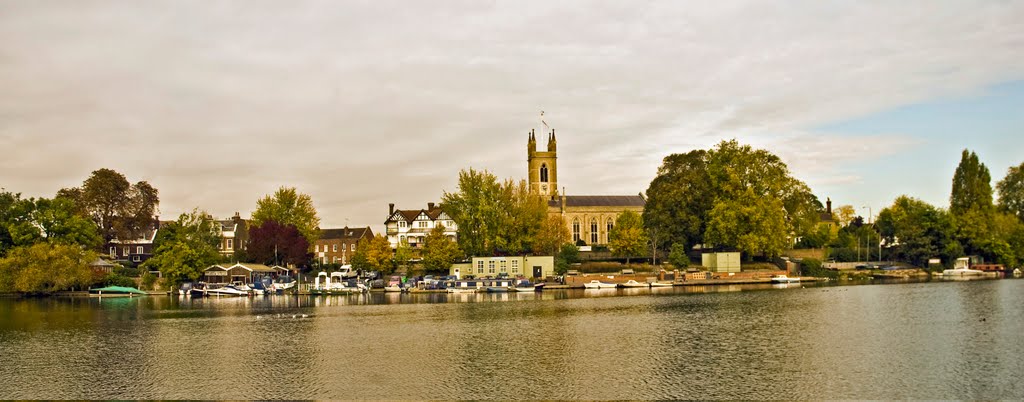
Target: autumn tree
493 217
1011 191
439 251
288 207
551 235
183 249
402 256
274 243
844 215
628 237
46 268
373 254
120 209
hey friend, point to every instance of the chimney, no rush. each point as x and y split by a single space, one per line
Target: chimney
391 209
430 206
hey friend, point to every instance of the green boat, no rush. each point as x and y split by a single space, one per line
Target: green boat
115 291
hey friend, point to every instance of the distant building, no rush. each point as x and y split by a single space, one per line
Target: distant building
134 251
337 246
828 220
412 225
511 266
234 235
590 218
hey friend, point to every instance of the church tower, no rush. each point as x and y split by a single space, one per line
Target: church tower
542 174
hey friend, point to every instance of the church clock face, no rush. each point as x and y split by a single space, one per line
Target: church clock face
544 188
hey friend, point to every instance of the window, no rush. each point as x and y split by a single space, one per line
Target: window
423 224
608 234
316 248
515 266
544 173
353 248
593 231
575 230
127 250
490 267
334 247
401 224
113 252
136 258
504 266
480 267
401 239
231 244
138 249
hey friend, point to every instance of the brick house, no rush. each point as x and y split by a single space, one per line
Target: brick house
337 246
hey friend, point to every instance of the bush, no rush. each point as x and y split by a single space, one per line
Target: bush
148 279
130 272
812 267
118 280
677 256
843 254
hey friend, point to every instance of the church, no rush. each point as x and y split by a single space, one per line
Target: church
590 218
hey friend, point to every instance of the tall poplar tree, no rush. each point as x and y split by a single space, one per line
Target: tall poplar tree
972 186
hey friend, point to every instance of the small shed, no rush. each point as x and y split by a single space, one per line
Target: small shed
101 265
721 262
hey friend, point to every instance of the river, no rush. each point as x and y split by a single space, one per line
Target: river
935 340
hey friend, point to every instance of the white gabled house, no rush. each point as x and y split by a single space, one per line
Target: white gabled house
413 226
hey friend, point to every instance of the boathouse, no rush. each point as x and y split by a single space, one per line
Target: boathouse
239 273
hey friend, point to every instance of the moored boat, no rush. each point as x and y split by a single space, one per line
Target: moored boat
497 289
634 284
596 284
784 279
226 290
660 285
116 291
962 268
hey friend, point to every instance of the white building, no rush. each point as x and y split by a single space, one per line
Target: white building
413 226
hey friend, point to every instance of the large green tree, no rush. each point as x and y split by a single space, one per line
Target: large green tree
24 222
1011 191
917 232
972 186
551 235
120 209
185 248
289 207
439 251
732 196
628 237
494 217
46 268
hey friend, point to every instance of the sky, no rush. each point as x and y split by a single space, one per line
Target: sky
364 103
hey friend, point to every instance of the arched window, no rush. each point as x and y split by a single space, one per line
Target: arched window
544 173
593 231
608 234
575 230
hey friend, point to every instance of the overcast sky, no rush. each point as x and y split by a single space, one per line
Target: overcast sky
365 103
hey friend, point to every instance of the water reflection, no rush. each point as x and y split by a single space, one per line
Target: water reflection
915 340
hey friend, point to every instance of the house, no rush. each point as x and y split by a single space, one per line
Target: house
412 226
234 235
337 246
135 251
828 220
512 266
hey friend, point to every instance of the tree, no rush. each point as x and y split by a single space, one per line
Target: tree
1011 191
403 254
845 214
46 268
677 256
289 207
274 243
493 218
121 210
568 254
679 198
918 231
185 248
439 251
972 188
628 238
732 196
373 254
551 235
24 222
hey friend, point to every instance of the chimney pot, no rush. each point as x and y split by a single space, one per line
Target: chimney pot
391 209
430 206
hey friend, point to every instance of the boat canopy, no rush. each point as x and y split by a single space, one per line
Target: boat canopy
118 289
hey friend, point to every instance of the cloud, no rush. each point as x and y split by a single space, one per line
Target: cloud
365 103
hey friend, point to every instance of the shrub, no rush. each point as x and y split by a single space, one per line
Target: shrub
812 267
677 256
118 280
148 279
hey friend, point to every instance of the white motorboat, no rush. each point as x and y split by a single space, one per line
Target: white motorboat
596 284
784 279
660 285
961 268
227 290
284 283
634 284
462 290
393 288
